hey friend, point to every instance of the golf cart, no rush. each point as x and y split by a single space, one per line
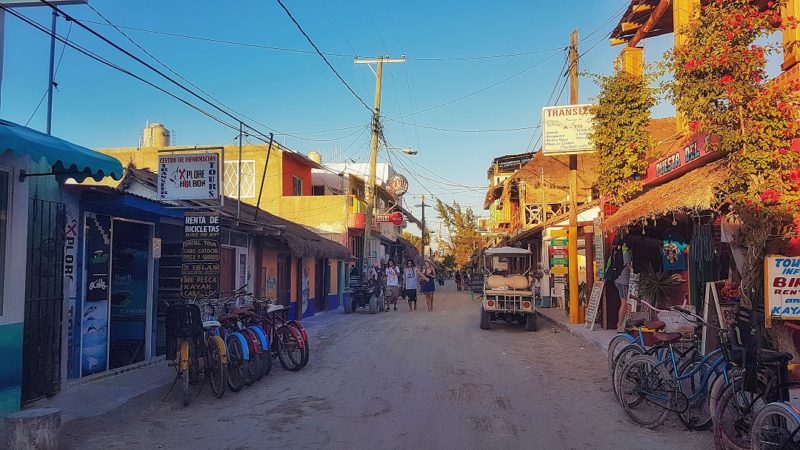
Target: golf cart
366 294
507 287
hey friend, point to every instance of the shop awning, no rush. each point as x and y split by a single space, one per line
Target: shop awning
695 191
67 159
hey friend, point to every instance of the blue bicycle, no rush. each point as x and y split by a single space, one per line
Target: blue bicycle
651 387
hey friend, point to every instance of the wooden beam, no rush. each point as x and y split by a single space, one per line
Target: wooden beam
648 26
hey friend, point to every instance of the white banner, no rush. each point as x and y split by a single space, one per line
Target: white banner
566 130
782 286
188 177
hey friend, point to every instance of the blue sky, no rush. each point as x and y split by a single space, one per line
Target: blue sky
295 92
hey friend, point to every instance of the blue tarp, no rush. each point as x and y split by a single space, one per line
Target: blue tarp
67 159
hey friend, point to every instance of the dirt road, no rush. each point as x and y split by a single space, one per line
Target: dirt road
402 380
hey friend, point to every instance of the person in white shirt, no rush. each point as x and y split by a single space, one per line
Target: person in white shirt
410 284
392 284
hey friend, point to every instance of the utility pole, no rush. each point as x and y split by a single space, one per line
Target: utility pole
377 134
423 205
572 235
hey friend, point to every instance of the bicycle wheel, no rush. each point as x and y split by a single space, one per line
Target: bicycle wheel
290 353
697 416
616 345
216 366
184 366
642 384
736 411
251 365
264 356
236 350
622 359
776 426
304 343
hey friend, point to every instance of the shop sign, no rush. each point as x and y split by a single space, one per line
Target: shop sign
395 218
397 185
559 271
201 255
94 310
559 242
559 262
558 233
599 255
782 286
188 177
566 130
693 151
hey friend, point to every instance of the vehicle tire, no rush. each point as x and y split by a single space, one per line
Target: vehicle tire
735 414
773 427
642 372
697 416
717 387
217 365
623 358
184 364
348 304
290 352
252 366
373 305
305 343
616 345
530 322
235 363
486 319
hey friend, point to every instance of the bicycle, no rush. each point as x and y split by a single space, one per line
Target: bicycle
777 424
190 341
648 381
288 339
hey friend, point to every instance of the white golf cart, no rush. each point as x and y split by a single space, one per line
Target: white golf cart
507 287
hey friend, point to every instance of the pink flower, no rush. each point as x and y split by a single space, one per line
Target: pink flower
770 196
693 125
726 79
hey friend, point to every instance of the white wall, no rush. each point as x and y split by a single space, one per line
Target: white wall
16 241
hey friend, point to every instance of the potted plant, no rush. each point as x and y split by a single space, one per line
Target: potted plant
655 286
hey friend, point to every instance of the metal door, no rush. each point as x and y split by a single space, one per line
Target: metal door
44 293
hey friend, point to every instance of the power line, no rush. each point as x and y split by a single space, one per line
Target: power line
55 72
308 38
458 130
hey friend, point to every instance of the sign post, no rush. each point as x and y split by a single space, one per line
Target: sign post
201 255
594 304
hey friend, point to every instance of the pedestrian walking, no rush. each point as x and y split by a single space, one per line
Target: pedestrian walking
410 276
427 280
392 284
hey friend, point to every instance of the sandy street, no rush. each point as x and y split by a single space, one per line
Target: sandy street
402 380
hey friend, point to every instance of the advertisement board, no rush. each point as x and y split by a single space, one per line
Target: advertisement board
201 255
782 287
566 130
94 316
188 177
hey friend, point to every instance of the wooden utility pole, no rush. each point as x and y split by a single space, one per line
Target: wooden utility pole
373 158
572 235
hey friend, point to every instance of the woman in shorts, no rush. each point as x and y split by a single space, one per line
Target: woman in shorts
427 280
410 284
392 285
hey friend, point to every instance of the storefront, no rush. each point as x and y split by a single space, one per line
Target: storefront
669 236
115 319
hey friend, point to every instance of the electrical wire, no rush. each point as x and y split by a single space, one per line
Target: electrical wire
458 130
328 63
55 72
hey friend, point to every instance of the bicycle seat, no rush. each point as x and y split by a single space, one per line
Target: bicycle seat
769 356
655 324
667 338
271 308
228 317
209 324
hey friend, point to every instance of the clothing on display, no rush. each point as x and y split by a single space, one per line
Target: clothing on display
673 255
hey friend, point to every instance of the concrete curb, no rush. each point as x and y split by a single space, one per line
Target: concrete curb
570 330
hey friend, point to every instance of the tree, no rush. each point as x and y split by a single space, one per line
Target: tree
415 240
462 229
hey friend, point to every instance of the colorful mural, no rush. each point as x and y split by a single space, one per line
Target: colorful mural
94 323
305 289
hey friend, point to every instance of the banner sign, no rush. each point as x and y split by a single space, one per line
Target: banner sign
201 253
782 287
397 185
566 130
188 177
395 218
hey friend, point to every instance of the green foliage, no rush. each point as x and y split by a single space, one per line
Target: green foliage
462 228
449 262
415 240
655 286
620 134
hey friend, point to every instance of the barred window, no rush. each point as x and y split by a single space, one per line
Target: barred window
248 179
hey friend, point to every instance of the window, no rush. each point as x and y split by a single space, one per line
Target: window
317 190
248 179
297 186
3 231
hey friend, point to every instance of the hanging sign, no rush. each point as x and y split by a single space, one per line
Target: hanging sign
395 218
188 177
599 249
782 287
201 253
566 130
397 185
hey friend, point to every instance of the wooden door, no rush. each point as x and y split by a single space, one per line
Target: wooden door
320 288
284 284
227 269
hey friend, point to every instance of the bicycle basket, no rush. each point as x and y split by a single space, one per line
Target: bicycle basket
675 322
182 320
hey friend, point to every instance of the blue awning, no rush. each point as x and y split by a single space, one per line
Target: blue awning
67 159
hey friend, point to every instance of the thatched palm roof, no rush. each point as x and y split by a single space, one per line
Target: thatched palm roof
694 191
